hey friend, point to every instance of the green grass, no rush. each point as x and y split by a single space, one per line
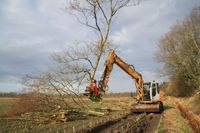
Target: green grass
161 125
172 121
185 127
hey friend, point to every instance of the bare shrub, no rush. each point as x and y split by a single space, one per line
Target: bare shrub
33 102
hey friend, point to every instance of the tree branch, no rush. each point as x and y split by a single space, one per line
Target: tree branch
102 11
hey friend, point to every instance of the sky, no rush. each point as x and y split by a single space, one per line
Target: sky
30 30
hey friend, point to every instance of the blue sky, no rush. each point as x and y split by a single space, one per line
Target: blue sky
30 30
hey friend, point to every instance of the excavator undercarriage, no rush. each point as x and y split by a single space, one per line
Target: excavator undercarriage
153 107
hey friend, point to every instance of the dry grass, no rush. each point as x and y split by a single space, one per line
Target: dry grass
114 107
192 103
6 104
194 120
172 121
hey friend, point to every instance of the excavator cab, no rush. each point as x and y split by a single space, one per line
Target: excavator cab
154 91
151 91
147 86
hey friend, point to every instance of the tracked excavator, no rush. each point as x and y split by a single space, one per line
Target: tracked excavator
147 94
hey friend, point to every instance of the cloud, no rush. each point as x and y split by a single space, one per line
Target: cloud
30 32
32 29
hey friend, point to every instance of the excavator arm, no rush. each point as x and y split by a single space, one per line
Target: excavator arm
129 69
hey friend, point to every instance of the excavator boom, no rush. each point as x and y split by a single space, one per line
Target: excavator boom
129 69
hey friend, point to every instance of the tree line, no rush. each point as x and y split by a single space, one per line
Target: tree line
179 52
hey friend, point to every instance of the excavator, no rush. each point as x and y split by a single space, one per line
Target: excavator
147 94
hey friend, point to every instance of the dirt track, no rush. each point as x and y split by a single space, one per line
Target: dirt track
131 123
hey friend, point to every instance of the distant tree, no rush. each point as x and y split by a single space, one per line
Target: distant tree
179 51
131 94
9 94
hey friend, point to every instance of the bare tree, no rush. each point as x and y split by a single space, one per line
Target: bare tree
98 15
77 65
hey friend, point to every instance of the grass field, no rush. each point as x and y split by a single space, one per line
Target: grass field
113 108
6 104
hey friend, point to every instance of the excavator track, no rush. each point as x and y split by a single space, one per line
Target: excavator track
147 107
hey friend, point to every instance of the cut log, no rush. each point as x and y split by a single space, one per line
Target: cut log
94 113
